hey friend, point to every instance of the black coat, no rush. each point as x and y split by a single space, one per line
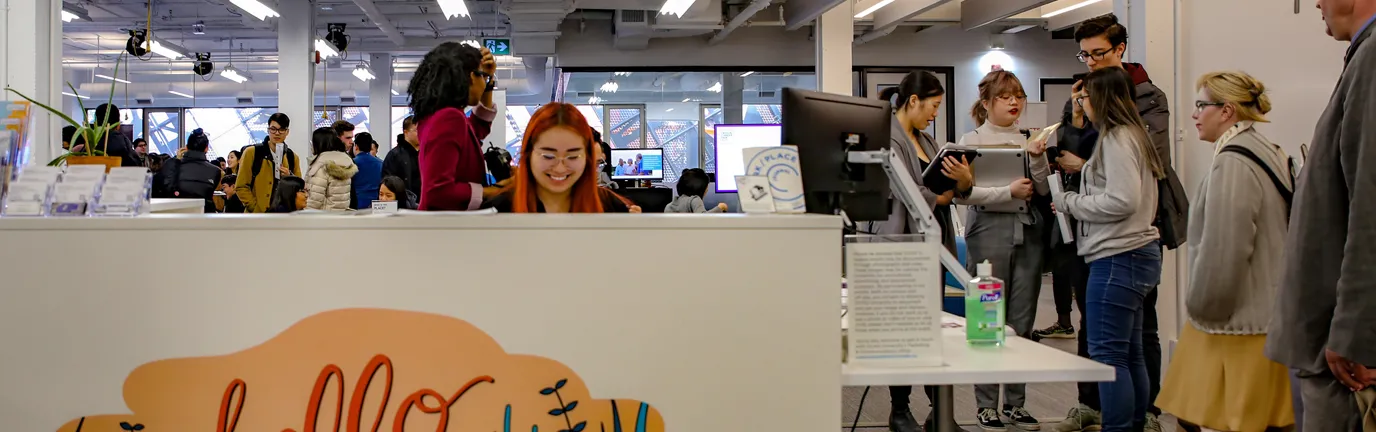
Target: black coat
193 176
403 161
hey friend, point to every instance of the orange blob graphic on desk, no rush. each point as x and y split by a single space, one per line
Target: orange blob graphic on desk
368 370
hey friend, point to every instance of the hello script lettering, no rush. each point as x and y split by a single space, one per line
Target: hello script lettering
232 403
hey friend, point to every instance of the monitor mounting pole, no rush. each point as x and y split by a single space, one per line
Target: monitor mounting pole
907 191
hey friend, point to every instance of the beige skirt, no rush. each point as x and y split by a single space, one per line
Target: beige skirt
1225 382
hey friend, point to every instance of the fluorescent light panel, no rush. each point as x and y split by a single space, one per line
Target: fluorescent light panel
677 7
394 93
871 9
181 94
68 16
362 73
255 8
1070 8
112 78
326 49
1018 29
76 95
610 87
167 50
232 74
747 74
453 8
716 88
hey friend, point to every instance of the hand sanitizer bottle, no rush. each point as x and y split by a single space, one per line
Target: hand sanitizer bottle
984 312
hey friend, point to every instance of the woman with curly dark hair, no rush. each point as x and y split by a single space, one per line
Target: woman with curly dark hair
451 78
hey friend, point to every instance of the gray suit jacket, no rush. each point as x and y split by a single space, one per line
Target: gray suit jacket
898 222
1327 295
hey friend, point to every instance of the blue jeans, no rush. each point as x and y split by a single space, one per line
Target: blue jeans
1115 305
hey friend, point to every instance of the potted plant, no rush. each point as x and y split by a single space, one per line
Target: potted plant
89 154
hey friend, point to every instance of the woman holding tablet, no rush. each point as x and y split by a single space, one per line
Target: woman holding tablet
1004 228
1115 209
916 100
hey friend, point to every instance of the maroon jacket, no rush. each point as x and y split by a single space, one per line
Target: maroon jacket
452 171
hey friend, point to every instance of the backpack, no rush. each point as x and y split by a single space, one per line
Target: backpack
261 152
1285 192
498 163
1172 210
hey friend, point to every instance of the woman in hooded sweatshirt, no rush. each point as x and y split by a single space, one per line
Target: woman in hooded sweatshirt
1219 377
330 177
1115 209
916 100
1005 229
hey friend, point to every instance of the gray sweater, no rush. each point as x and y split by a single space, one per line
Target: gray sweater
689 204
1328 291
1237 233
1117 199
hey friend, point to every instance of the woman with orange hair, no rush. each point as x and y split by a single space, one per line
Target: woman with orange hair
557 172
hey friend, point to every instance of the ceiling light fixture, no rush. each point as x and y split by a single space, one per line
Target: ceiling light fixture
1019 29
610 87
363 73
76 95
621 73
112 79
181 94
233 74
453 8
677 7
394 93
167 49
71 12
687 99
871 9
715 88
747 74
1070 8
325 49
594 100
255 8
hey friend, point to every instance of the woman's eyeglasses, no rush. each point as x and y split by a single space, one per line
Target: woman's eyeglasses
1012 97
1200 105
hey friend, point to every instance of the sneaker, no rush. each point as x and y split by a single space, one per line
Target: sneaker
1153 424
1022 419
1056 331
1080 418
989 420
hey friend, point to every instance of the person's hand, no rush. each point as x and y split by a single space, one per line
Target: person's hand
489 63
634 209
283 170
1036 148
1021 188
1070 163
1352 375
181 152
945 198
1077 91
721 206
958 170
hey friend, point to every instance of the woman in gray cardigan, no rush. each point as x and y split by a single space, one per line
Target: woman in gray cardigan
1115 209
917 99
1219 377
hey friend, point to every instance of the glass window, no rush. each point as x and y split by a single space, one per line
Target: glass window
164 131
356 115
711 116
763 114
624 126
230 128
323 118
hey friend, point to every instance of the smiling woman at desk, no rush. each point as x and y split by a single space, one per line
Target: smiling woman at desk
557 172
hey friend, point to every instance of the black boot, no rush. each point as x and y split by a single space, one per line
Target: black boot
901 420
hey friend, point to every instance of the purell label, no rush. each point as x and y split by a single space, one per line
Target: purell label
991 295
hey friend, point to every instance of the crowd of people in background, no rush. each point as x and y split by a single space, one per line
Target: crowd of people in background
1114 157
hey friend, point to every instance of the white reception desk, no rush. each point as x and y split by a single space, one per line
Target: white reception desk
498 322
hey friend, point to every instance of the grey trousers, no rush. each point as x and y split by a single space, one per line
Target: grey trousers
1328 405
1017 251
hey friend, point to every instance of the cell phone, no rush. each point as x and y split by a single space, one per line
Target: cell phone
1079 76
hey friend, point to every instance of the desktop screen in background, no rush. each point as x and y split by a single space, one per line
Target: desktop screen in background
732 140
630 164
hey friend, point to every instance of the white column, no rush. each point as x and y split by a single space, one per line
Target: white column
1152 42
296 75
498 136
32 64
380 102
732 98
834 34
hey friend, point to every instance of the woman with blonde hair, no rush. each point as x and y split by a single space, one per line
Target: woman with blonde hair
1219 377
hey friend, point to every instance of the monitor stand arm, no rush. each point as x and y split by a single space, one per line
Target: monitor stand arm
906 190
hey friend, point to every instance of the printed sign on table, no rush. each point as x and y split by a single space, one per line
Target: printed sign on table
780 166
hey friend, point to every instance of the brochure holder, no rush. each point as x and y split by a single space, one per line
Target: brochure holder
27 198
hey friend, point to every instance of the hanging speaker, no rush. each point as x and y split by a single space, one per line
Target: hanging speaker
203 65
135 45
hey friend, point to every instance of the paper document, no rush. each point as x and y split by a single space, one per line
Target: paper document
1054 180
1046 132
894 303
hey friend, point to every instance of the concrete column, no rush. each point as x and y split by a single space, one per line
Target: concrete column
1152 42
732 98
380 102
296 76
31 62
835 34
498 136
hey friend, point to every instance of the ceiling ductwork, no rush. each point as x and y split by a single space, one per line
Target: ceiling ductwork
635 27
535 24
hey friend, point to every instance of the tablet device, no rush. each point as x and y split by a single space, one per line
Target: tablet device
933 179
1000 165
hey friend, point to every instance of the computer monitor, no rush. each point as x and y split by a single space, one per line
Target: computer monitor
731 139
637 164
825 127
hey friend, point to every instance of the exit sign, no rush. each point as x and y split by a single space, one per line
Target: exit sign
500 47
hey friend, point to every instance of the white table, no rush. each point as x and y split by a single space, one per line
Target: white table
177 205
1018 361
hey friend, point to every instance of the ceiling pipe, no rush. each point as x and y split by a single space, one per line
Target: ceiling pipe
381 21
873 35
740 19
